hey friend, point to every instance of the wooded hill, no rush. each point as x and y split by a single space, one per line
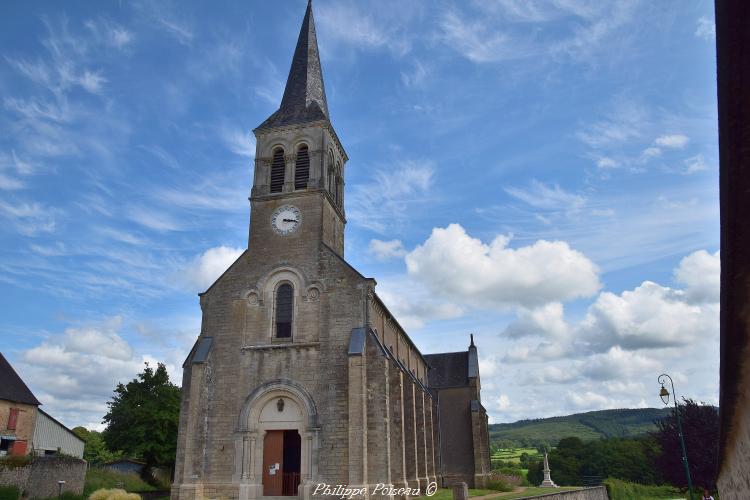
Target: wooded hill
586 426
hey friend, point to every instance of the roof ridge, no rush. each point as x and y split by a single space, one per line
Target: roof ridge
13 387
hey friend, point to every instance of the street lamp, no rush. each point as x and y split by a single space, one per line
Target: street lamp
664 395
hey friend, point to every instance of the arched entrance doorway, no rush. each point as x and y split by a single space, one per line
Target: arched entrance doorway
282 456
277 442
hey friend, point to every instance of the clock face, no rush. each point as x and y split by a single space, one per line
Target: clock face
286 219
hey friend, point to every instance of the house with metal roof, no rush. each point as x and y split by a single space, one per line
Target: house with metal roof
24 427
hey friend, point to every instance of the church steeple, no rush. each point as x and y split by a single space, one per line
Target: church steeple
304 96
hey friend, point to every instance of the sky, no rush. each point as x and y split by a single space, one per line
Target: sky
540 173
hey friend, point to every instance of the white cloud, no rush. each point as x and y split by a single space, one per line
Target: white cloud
109 33
29 218
605 162
386 201
546 320
204 269
477 41
239 142
74 374
618 364
413 309
415 77
622 124
182 32
547 197
674 141
651 152
154 219
590 400
700 272
8 183
551 375
502 402
92 82
348 25
695 164
650 316
386 250
706 29
453 264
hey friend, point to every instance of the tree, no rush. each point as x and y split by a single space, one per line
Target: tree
95 451
700 425
143 417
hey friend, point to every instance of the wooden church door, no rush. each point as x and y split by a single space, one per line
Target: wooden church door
273 457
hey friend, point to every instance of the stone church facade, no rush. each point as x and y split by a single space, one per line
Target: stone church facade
301 375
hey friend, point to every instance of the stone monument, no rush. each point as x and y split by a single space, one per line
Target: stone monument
548 482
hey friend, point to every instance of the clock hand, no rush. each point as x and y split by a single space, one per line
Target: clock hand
290 220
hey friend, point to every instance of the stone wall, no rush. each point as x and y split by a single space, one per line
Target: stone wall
40 478
596 493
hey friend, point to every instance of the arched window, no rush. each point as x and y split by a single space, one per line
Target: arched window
302 168
284 310
277 171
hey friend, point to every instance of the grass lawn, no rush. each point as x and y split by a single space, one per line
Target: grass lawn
103 478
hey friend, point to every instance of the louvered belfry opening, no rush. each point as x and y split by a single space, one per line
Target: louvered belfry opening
284 306
277 171
302 168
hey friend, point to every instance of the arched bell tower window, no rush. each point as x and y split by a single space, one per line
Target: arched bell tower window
284 310
277 171
302 168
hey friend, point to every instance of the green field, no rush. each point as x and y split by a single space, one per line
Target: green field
586 426
513 454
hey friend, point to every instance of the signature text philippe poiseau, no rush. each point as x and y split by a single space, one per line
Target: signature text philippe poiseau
380 489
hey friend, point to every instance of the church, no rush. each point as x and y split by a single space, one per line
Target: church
301 376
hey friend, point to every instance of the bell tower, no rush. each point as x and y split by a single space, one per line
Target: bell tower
297 198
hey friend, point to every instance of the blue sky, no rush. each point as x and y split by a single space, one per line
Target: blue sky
540 173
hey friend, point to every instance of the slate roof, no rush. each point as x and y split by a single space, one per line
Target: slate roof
448 369
12 388
305 95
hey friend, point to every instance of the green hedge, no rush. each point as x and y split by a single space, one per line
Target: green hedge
623 490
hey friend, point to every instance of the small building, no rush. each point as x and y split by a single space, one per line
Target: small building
125 466
18 412
24 427
51 437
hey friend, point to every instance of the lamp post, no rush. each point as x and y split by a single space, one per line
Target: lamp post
664 395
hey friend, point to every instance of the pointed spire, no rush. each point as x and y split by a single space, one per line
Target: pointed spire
304 96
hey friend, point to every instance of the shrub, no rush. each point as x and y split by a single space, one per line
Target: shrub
9 493
14 461
113 494
500 482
